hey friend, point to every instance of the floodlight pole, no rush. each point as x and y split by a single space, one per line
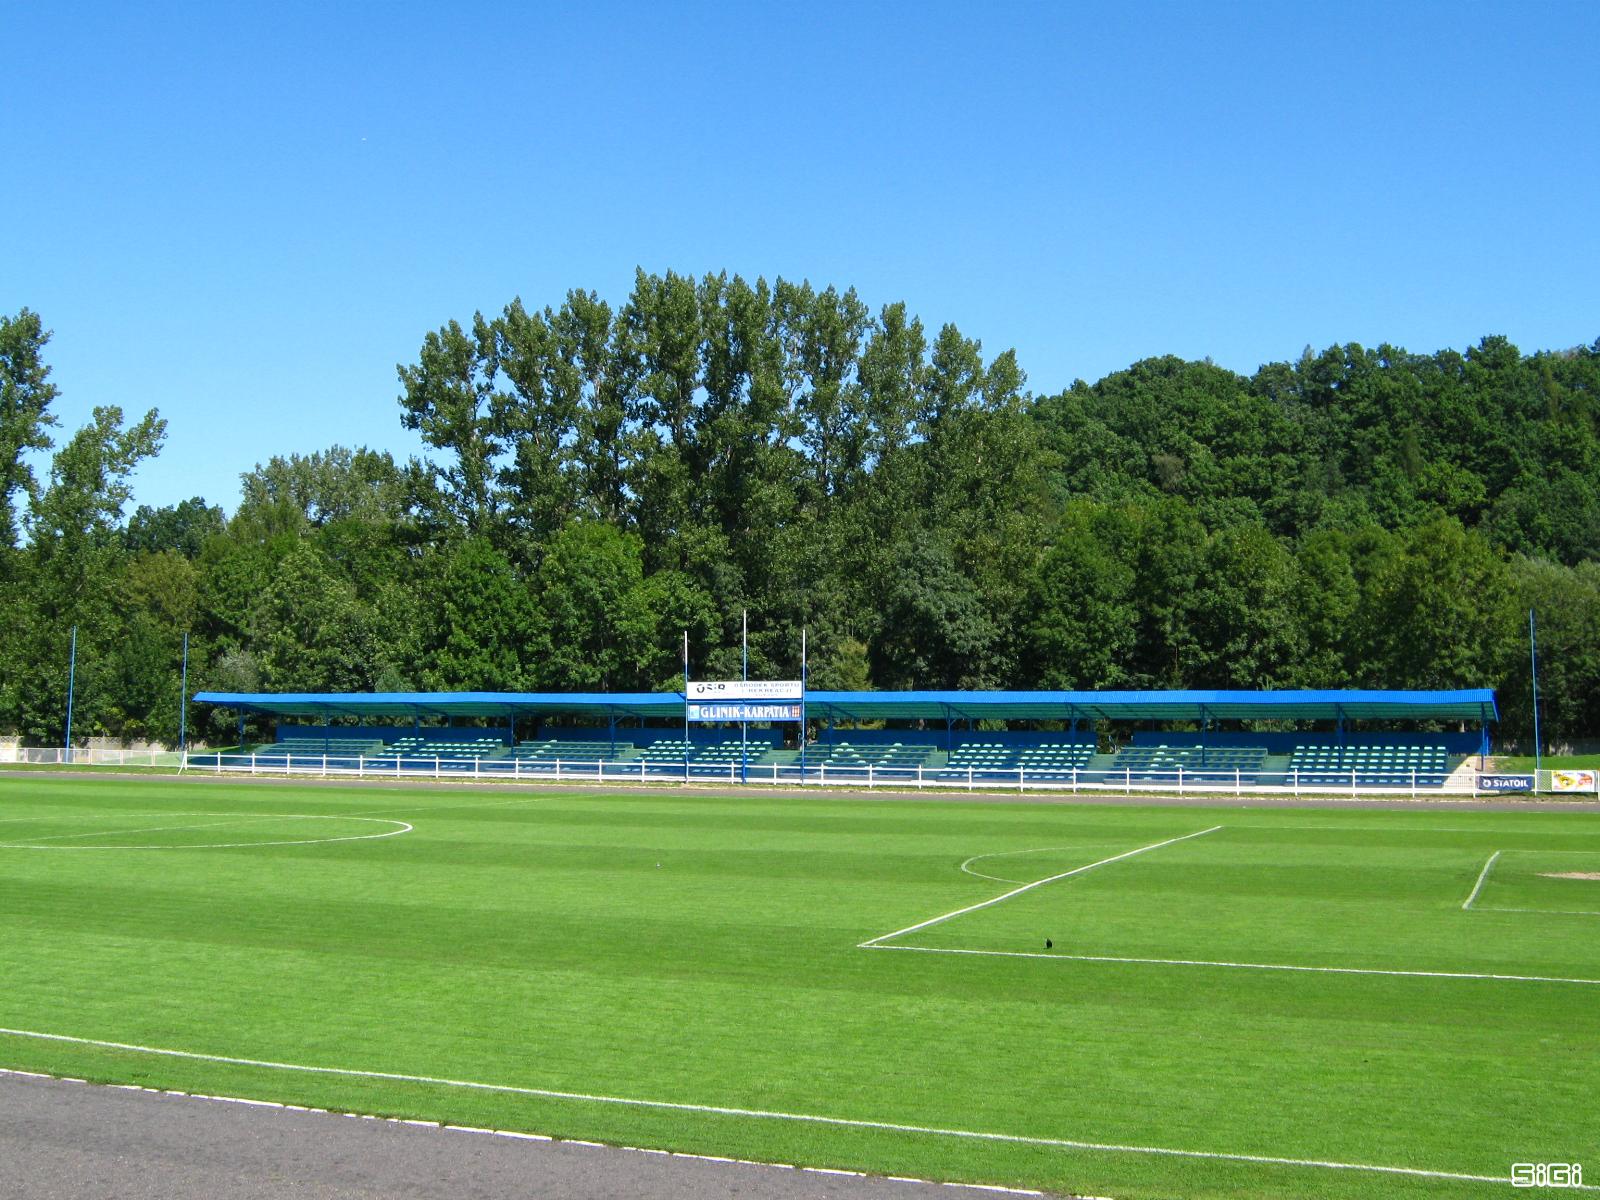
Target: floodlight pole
1533 655
72 678
183 700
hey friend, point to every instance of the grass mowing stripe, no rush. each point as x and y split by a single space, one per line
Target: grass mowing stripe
767 1114
1028 887
1245 966
1482 875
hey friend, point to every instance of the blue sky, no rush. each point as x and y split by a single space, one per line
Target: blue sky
246 217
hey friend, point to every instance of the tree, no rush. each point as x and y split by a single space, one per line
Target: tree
311 631
73 575
493 636
300 492
449 397
935 631
1245 615
602 634
1083 617
25 396
1440 612
183 527
1566 601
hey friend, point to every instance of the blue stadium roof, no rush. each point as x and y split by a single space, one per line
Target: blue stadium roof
1471 704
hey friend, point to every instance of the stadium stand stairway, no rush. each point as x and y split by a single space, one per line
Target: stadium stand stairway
1373 765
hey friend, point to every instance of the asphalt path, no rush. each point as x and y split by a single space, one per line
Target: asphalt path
67 1140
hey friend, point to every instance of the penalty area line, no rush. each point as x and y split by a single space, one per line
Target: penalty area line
1244 966
1482 875
770 1114
873 943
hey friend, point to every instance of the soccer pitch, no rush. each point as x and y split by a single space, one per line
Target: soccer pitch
1233 1002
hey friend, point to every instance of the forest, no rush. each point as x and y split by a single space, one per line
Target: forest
598 479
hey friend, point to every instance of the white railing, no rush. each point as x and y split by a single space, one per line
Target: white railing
1372 781
91 756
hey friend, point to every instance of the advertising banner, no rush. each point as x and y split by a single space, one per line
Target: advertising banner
1572 781
745 689
1505 783
743 710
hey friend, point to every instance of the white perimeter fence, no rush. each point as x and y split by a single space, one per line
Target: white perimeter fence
1464 781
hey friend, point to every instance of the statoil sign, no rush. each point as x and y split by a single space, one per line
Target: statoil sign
1505 783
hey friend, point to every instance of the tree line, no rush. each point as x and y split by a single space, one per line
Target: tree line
599 479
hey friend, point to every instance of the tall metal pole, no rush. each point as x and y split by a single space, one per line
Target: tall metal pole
802 704
72 678
686 705
744 726
183 700
1533 654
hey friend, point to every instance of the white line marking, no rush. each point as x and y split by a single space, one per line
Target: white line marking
1482 875
1243 966
1554 912
404 827
967 866
768 1114
67 837
1028 887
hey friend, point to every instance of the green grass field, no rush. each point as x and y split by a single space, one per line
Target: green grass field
1550 762
706 952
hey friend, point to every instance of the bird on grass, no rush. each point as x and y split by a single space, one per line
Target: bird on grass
1049 945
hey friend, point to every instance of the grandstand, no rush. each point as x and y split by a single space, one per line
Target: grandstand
1370 764
927 738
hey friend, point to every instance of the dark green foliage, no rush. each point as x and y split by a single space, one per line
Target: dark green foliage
25 396
599 479
183 527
